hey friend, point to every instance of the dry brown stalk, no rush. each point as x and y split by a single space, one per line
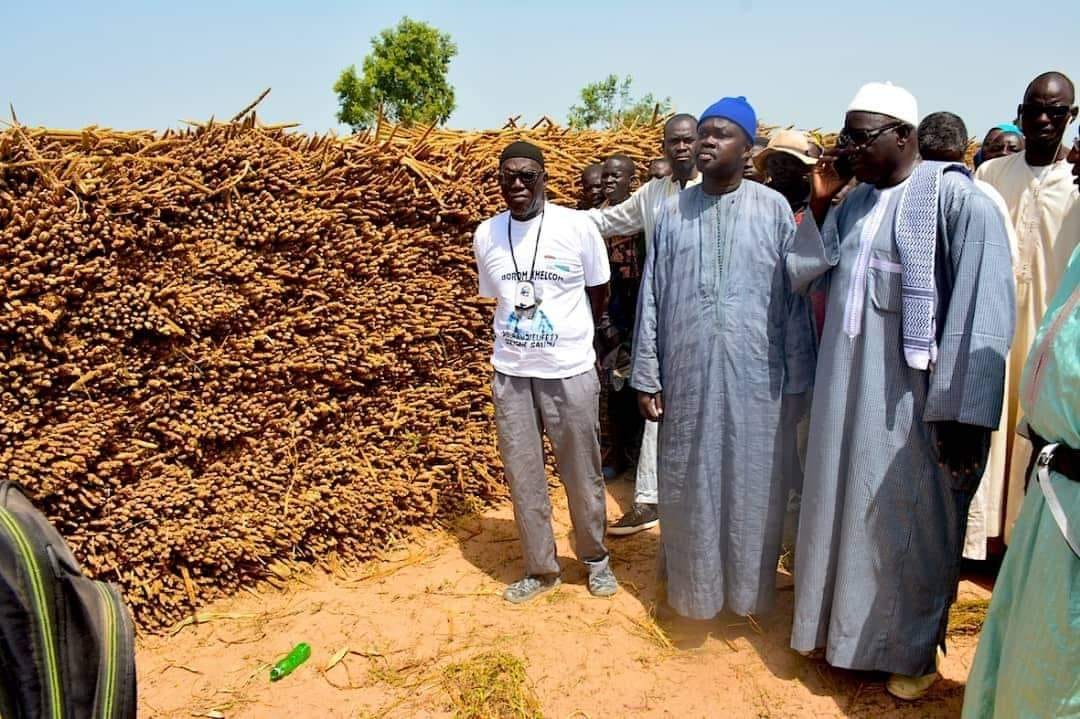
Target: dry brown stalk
202 324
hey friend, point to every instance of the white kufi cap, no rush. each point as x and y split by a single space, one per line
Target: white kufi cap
886 99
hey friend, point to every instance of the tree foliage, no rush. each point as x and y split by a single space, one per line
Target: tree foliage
405 75
609 103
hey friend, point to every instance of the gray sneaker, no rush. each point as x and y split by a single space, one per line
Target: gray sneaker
602 583
638 519
529 588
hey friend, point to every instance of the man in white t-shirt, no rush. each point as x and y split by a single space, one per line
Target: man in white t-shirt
547 266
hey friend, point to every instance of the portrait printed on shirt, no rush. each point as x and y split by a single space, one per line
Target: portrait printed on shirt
527 325
538 271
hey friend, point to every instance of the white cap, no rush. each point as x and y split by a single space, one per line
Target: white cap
886 99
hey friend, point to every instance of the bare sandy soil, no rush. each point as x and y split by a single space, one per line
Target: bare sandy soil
436 600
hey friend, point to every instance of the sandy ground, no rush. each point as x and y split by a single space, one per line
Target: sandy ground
436 600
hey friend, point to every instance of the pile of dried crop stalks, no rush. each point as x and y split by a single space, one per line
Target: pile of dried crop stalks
234 346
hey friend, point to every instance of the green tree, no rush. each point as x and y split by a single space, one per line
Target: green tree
405 75
609 103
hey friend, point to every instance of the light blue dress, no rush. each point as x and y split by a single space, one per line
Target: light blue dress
1028 660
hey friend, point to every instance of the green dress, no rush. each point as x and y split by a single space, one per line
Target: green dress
1028 660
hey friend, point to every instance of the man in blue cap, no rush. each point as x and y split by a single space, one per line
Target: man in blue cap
720 339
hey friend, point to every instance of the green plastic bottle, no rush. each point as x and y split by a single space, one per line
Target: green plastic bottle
299 654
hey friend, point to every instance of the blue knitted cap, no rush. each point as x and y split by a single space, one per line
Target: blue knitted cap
736 109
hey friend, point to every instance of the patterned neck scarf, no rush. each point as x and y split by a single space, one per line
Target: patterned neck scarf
916 242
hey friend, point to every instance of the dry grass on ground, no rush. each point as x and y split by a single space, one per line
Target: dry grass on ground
425 633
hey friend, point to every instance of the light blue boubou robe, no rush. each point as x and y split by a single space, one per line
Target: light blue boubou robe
881 526
721 334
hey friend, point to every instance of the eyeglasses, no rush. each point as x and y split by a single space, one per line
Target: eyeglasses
1054 112
858 139
527 177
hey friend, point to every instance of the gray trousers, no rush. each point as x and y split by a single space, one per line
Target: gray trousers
568 411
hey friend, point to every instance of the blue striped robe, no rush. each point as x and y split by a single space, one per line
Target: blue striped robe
881 526
722 335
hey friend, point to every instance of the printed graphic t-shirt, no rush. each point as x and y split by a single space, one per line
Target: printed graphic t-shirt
557 340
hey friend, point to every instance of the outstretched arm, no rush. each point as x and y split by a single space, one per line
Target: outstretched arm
625 218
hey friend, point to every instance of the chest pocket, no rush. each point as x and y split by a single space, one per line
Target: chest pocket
885 277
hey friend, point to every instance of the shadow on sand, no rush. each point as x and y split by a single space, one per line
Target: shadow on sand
856 693
490 543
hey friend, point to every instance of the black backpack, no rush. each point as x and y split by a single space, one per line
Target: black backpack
67 643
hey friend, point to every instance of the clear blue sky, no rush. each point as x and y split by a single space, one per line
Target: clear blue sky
150 64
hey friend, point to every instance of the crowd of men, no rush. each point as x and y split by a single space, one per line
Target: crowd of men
837 338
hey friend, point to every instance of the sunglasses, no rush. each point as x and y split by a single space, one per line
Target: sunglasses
527 177
858 139
1054 112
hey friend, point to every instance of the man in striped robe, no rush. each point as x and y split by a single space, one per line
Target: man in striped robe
908 388
720 342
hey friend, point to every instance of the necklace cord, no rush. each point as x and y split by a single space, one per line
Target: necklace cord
536 249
